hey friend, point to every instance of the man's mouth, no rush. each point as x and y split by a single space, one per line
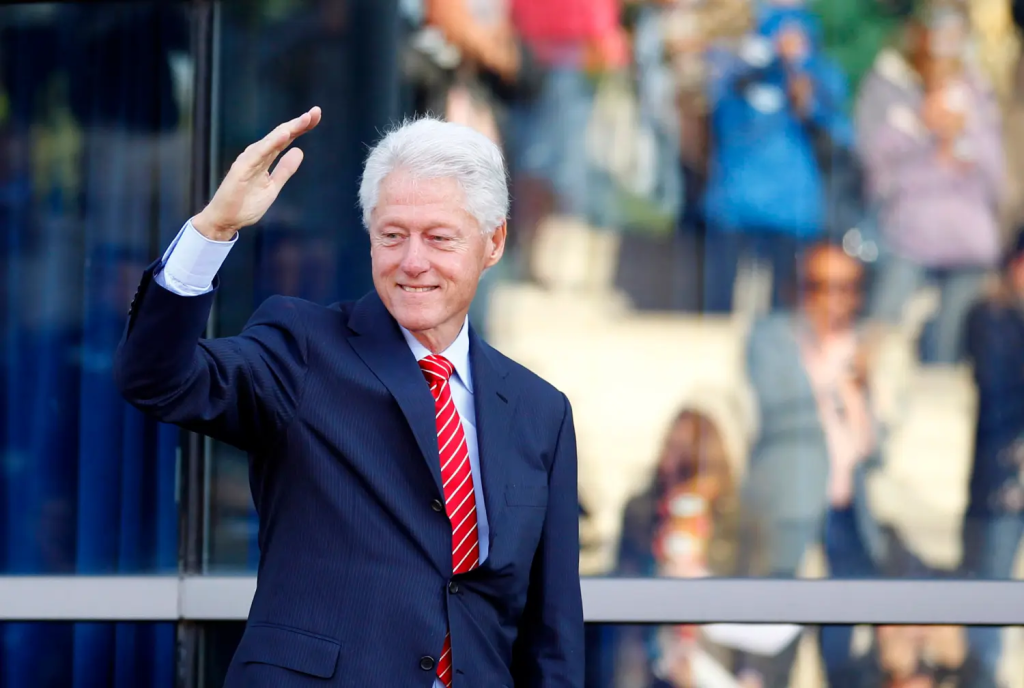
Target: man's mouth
416 290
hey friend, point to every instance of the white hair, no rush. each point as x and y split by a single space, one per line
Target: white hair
429 148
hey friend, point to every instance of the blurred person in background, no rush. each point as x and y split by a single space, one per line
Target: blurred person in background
455 46
771 105
672 42
994 520
690 29
682 525
573 41
931 142
917 657
818 438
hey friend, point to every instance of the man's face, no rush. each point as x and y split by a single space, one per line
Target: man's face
428 254
833 283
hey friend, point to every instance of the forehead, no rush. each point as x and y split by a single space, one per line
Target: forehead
402 193
832 263
419 205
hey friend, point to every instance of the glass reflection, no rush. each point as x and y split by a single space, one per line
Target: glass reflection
143 655
94 171
820 300
94 146
782 655
758 656
783 219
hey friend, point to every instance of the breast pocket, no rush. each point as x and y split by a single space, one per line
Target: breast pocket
526 495
287 648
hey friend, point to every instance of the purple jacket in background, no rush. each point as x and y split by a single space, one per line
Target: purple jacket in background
931 214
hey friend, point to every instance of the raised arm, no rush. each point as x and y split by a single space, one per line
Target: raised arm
242 390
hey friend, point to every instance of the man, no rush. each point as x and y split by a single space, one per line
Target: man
416 489
993 525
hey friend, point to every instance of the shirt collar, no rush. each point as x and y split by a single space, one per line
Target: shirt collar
457 353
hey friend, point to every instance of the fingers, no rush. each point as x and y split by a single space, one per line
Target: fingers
282 135
314 117
286 168
263 153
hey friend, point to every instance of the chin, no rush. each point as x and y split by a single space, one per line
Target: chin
413 320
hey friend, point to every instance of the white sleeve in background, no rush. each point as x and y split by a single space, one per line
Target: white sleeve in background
191 262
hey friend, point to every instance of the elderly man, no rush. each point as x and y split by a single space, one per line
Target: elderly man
416 489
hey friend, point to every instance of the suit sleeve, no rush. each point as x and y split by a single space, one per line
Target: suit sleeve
549 650
242 390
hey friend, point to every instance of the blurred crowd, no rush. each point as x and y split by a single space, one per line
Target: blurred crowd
844 156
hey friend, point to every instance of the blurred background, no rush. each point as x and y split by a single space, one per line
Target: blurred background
794 225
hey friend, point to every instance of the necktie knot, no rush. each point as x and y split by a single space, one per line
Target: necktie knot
436 369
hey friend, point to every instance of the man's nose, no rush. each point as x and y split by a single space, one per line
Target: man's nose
415 262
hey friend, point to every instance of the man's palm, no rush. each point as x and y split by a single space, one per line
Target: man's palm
250 188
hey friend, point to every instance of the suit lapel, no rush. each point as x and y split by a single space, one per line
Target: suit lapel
493 401
385 352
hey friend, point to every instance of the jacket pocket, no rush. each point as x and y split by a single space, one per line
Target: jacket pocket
526 495
288 648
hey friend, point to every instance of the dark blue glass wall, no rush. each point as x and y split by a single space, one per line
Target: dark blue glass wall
94 167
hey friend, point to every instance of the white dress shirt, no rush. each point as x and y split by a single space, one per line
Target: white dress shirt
192 261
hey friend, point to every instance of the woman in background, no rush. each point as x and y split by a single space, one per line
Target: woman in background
931 140
681 525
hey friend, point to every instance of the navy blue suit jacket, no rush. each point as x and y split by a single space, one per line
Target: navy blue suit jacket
355 577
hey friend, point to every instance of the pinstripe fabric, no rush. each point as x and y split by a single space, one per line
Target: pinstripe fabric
356 550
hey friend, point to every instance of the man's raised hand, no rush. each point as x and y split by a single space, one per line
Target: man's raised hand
250 188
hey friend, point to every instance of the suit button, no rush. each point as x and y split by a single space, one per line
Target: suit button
426 663
453 587
437 506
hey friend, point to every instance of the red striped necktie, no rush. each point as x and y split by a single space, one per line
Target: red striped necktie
457 479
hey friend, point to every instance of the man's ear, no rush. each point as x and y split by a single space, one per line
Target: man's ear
497 243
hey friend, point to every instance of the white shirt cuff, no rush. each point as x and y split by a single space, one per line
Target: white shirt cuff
192 261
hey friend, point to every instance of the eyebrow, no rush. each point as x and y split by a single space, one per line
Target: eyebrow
424 224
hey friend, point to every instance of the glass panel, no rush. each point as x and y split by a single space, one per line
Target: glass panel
782 656
278 60
60 655
779 407
94 153
787 656
741 211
